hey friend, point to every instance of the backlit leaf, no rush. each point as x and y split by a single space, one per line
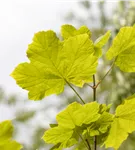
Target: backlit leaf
68 118
6 130
6 142
123 48
88 113
101 125
61 137
53 63
123 124
104 108
57 135
10 145
71 123
100 42
81 146
76 115
68 31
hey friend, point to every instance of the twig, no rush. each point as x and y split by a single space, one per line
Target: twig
94 99
106 74
75 91
88 144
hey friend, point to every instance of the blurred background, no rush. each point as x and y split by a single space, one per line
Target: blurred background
19 20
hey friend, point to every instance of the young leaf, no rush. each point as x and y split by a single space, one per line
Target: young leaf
72 141
100 42
101 125
61 137
69 117
101 138
53 63
81 146
68 31
76 115
88 113
6 143
57 135
10 145
104 108
71 123
123 48
123 124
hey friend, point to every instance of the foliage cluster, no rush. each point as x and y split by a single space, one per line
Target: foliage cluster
55 63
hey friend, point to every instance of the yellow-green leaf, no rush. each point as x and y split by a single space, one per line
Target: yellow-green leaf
125 61
101 125
6 142
53 63
123 48
98 51
88 113
119 132
69 31
10 145
71 123
104 108
76 115
6 130
126 110
123 124
100 42
68 118
64 144
57 135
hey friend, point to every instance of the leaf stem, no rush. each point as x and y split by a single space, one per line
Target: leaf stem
88 144
94 88
106 73
95 143
89 85
94 99
85 143
75 91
